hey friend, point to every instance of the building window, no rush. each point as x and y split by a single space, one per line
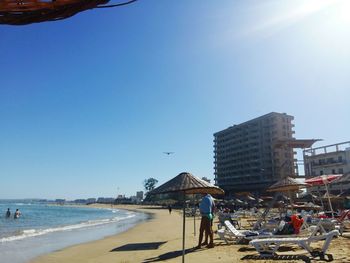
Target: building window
321 172
340 171
330 160
333 171
340 159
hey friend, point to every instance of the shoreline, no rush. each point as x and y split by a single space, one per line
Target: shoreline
34 241
159 239
135 240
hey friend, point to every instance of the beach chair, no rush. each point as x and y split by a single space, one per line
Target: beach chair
343 216
231 233
269 246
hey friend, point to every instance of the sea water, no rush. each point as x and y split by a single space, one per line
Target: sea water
43 228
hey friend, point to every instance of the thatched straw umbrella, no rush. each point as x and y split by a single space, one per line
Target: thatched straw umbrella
15 12
187 183
287 184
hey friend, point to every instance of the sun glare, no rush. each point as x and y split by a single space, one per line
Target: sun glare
343 12
337 10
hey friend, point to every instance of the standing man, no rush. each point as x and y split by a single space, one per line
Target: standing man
206 208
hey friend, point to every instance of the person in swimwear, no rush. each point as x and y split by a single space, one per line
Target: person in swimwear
17 214
206 208
8 213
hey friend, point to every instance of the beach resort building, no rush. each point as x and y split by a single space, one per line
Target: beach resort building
253 155
325 160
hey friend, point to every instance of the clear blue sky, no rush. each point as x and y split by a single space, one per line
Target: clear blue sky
89 104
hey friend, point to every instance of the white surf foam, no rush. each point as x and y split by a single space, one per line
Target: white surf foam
38 232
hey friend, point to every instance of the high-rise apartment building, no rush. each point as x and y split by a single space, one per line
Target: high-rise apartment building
253 155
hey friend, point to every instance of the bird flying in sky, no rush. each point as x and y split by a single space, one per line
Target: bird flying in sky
168 153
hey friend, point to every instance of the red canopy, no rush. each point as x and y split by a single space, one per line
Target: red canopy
322 179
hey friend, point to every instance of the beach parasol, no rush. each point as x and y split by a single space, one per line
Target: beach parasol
22 12
287 184
187 183
324 180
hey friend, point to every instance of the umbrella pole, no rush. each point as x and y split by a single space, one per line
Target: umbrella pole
319 194
194 216
183 229
329 199
291 201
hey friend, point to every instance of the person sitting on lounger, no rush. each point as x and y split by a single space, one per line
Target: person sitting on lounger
297 222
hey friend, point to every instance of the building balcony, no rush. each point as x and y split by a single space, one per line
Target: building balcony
328 164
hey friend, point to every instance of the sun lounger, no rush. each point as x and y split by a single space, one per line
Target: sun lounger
230 232
270 245
343 216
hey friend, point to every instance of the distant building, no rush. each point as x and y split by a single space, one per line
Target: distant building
325 160
125 200
255 154
60 201
79 201
91 200
139 195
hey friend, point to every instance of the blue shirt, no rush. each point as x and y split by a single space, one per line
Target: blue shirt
205 207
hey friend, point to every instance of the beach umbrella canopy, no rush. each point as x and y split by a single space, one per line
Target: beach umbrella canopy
324 180
285 185
22 12
187 183
342 179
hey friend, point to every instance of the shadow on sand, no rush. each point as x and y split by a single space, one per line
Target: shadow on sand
291 258
278 257
138 246
168 255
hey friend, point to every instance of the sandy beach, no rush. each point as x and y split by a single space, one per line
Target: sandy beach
160 239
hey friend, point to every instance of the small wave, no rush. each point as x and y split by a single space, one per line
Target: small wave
38 232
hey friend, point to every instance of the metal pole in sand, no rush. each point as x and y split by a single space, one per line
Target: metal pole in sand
329 199
183 228
194 216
